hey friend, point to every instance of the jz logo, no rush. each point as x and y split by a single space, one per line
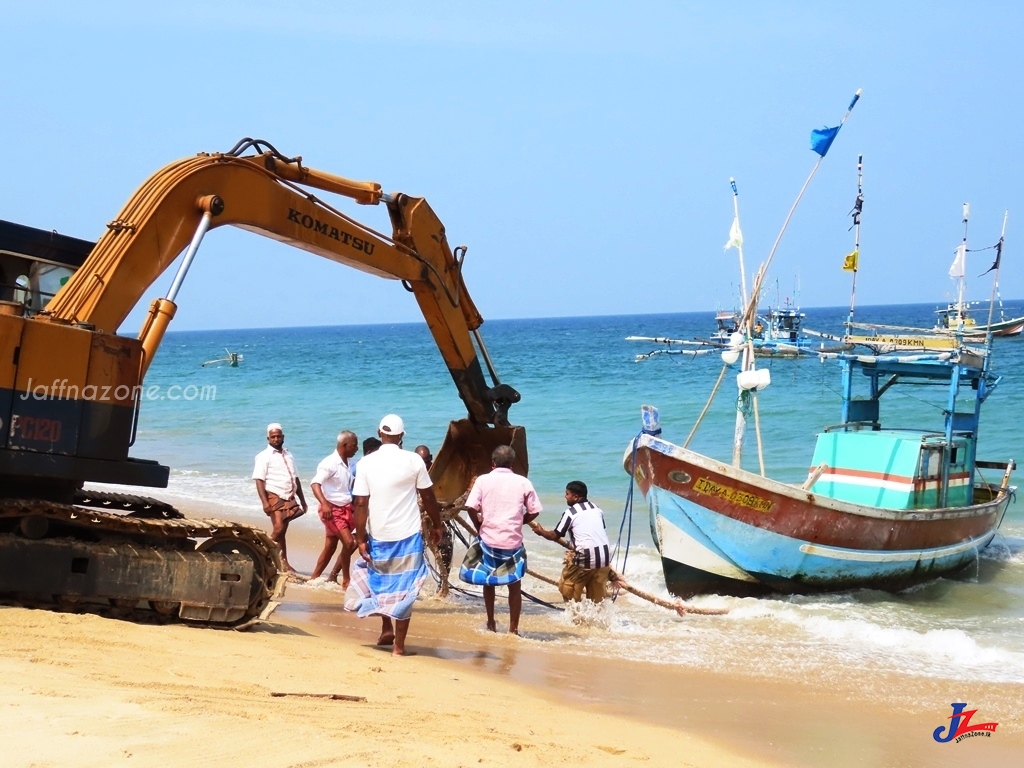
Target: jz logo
960 727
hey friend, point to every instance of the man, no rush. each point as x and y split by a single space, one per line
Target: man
446 546
424 453
388 578
499 503
587 566
278 486
332 486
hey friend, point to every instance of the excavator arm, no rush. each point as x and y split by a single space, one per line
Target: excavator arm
268 193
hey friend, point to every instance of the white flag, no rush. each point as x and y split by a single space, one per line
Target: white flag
735 236
957 268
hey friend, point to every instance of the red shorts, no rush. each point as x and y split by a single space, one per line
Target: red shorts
341 519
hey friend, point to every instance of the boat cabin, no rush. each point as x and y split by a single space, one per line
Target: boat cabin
861 462
784 324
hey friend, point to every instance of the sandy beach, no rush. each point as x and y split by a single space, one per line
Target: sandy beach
83 690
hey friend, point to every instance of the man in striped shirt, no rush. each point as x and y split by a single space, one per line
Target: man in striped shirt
587 565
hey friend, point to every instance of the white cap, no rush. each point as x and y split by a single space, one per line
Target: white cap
392 425
272 426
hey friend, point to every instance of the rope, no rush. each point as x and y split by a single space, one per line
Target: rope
707 405
678 606
627 511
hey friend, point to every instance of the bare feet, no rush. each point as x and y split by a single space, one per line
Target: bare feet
491 626
403 652
386 638
514 632
345 583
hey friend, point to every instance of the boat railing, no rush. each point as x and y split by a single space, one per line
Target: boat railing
854 426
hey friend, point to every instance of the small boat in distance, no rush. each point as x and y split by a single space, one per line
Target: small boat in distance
232 359
727 323
959 315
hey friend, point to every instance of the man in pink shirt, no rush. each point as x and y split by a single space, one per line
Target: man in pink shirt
500 503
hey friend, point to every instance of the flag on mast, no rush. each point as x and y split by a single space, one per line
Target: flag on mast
999 255
735 235
851 261
822 138
957 268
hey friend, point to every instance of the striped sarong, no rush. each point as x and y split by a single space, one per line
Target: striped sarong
392 583
488 566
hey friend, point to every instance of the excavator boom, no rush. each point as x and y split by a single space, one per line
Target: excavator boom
203 571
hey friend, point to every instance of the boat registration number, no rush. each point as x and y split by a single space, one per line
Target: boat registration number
732 495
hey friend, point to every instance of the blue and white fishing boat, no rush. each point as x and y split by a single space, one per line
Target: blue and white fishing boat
883 507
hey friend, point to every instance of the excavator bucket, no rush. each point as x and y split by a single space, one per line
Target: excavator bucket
466 453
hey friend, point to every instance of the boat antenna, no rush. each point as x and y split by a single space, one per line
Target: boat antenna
995 281
821 140
852 261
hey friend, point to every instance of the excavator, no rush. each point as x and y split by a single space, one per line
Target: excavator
70 385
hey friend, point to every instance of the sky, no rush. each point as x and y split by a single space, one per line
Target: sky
581 150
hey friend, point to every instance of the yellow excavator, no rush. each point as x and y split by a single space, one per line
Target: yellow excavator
70 386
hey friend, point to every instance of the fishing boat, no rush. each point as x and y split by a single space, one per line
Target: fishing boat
955 324
232 359
957 315
727 322
881 507
960 314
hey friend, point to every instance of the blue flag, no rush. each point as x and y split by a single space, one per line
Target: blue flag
822 138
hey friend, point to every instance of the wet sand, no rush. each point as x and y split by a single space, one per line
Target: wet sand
82 690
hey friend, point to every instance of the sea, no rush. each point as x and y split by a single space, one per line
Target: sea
582 387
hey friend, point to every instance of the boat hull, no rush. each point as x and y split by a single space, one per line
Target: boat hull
723 530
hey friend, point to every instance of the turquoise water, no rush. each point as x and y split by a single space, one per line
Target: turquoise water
581 396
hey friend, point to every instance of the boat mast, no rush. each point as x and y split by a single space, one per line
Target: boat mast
957 272
747 326
852 261
995 281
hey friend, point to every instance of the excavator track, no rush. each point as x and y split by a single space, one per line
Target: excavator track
157 567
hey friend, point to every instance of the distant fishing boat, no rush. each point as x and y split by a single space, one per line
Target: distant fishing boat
232 359
955 325
960 314
955 315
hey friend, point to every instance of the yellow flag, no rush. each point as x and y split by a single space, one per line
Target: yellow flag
850 262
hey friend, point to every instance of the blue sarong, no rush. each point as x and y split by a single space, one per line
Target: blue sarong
391 584
488 566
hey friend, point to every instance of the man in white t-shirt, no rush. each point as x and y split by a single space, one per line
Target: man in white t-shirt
332 486
588 565
279 489
388 578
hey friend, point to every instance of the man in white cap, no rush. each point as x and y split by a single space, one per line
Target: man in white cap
389 534
278 486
